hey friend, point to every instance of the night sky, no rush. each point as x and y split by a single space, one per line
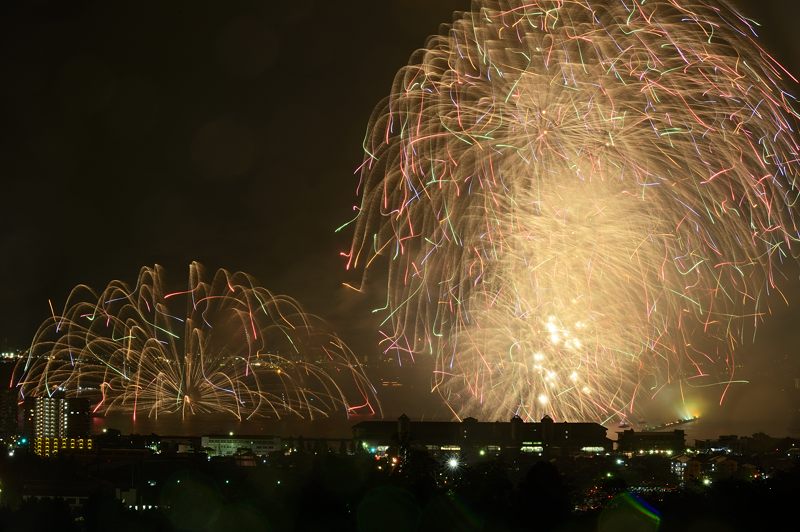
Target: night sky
166 132
137 133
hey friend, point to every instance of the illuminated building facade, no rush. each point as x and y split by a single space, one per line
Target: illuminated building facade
59 424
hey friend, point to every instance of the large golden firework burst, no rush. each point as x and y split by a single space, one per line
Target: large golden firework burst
574 195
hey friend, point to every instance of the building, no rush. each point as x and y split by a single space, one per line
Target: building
59 424
472 437
632 442
230 445
687 468
722 467
8 412
78 422
74 492
59 417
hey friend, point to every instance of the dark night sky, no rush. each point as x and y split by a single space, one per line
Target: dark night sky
136 133
164 132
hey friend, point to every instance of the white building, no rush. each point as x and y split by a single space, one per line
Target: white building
230 445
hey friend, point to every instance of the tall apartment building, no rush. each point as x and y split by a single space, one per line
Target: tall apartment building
59 424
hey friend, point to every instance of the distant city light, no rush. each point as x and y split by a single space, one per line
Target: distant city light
452 463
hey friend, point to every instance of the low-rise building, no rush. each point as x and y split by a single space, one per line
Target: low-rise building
231 445
668 443
472 437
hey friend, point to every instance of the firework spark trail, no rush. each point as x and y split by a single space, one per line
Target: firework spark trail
234 348
570 193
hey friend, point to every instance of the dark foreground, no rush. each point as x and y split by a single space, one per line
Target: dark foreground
339 491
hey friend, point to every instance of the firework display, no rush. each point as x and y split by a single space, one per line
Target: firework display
579 202
222 346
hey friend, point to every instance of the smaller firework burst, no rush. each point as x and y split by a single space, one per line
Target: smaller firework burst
224 346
